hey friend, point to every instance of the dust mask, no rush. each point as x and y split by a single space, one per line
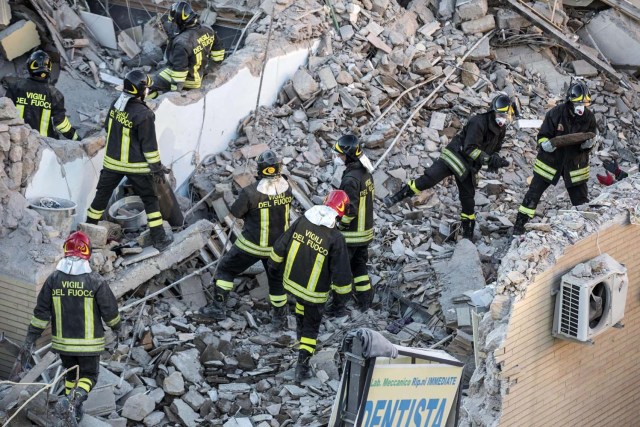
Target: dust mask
578 109
501 121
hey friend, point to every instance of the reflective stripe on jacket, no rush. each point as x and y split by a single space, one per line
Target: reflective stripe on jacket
357 182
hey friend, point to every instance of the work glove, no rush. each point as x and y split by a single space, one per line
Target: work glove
497 162
342 226
548 146
606 180
612 166
157 171
27 346
119 331
589 143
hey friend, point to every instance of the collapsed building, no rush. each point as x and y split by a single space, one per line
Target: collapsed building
318 72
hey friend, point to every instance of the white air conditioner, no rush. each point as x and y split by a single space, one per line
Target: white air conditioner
591 299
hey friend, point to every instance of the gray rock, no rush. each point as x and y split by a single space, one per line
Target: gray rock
160 330
325 360
304 84
327 80
188 363
193 399
471 9
174 384
482 25
153 419
137 407
346 32
185 413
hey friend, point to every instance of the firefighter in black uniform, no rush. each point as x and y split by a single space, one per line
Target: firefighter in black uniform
188 52
571 163
76 301
308 261
264 206
132 151
39 103
478 144
357 223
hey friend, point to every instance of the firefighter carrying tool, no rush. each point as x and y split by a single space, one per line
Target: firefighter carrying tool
308 261
264 206
478 144
76 301
570 162
39 103
357 223
132 151
188 52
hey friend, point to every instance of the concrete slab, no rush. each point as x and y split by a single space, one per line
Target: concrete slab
583 68
5 13
101 27
101 401
18 39
534 61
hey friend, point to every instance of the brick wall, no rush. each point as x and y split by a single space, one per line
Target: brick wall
562 383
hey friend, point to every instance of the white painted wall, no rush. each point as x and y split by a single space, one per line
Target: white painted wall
182 130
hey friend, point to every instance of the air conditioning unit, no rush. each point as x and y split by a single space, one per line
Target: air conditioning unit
591 299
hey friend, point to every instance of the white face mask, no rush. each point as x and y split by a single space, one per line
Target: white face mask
501 121
337 161
578 109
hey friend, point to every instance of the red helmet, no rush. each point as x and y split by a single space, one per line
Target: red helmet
77 244
338 201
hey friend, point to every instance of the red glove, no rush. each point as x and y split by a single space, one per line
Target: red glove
606 180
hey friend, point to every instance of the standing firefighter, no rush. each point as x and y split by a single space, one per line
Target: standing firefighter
188 52
357 223
571 162
132 151
308 261
478 144
264 206
75 301
39 103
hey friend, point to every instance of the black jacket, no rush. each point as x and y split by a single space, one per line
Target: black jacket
312 259
357 223
76 305
131 139
41 106
469 150
265 219
572 162
188 54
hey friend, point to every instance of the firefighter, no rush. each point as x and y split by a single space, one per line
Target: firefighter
76 301
478 144
39 103
308 261
188 52
357 223
264 206
132 151
571 162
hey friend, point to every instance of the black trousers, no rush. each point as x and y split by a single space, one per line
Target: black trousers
233 263
578 194
466 189
308 320
359 256
142 186
89 367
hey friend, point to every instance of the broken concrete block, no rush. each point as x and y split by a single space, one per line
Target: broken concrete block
5 13
437 121
101 401
154 419
18 39
500 306
483 50
380 6
185 413
482 25
137 407
251 151
470 74
427 30
446 8
327 80
583 68
97 234
128 45
188 363
378 43
508 19
304 84
471 9
174 384
346 32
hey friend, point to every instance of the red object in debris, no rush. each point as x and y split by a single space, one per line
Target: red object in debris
607 179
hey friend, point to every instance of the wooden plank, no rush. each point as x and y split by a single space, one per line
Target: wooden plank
31 376
574 47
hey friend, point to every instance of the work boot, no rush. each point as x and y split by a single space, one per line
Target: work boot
404 192
218 309
65 411
336 308
161 240
468 225
521 220
79 396
364 299
279 321
303 369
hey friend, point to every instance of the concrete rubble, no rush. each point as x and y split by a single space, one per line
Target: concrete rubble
239 373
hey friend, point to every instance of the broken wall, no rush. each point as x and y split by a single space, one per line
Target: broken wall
528 377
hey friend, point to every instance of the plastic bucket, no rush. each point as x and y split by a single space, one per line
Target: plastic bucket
129 213
57 213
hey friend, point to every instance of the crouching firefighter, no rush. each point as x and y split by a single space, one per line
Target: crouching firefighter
39 103
76 301
357 223
570 162
477 145
132 151
188 52
308 261
264 206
